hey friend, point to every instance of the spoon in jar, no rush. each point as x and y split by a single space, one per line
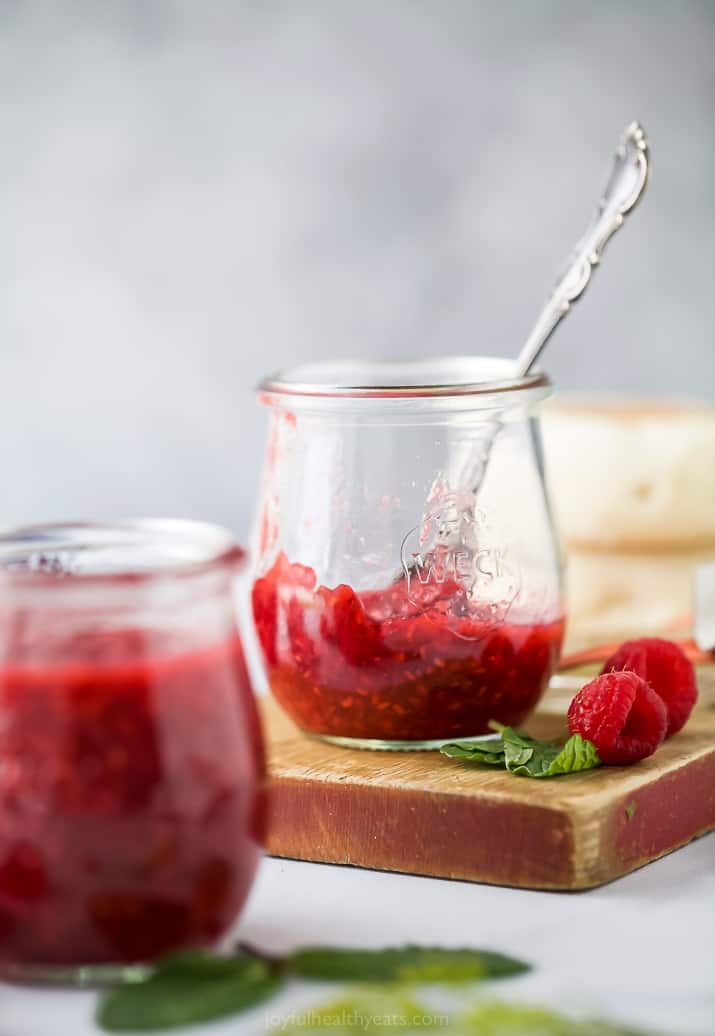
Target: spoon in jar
625 186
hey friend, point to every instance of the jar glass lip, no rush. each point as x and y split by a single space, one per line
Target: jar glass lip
406 379
132 549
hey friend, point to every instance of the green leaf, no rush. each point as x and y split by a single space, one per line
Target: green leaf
488 749
188 988
526 756
530 758
406 964
199 963
516 754
577 754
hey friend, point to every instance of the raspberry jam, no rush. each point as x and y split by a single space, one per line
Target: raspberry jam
392 664
130 816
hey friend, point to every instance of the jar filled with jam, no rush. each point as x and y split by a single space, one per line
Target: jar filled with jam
408 587
131 761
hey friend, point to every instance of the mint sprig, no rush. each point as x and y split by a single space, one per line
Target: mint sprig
526 756
191 987
185 989
407 964
488 750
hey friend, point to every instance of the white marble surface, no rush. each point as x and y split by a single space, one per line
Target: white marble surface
641 949
194 193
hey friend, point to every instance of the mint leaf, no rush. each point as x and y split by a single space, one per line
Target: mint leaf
406 964
199 963
185 989
518 749
527 756
577 754
193 986
488 749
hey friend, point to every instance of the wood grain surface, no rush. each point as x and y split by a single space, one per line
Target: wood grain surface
422 813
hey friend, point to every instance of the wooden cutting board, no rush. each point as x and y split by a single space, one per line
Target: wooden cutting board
421 813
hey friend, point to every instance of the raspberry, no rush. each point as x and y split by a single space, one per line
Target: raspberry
666 668
621 714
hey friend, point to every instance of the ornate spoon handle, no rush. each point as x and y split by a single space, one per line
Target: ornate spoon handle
625 186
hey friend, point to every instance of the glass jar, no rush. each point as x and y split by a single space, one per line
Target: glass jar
131 760
409 581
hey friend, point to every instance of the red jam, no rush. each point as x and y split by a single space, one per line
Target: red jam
388 665
130 810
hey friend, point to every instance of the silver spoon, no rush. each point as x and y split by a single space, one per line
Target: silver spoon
626 183
629 176
631 167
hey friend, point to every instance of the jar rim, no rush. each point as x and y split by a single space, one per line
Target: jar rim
125 550
450 376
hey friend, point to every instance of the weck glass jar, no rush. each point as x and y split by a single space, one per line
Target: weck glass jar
408 585
131 760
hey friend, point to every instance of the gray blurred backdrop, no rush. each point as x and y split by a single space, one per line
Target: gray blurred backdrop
193 193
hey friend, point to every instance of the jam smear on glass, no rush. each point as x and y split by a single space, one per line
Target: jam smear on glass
130 797
399 664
